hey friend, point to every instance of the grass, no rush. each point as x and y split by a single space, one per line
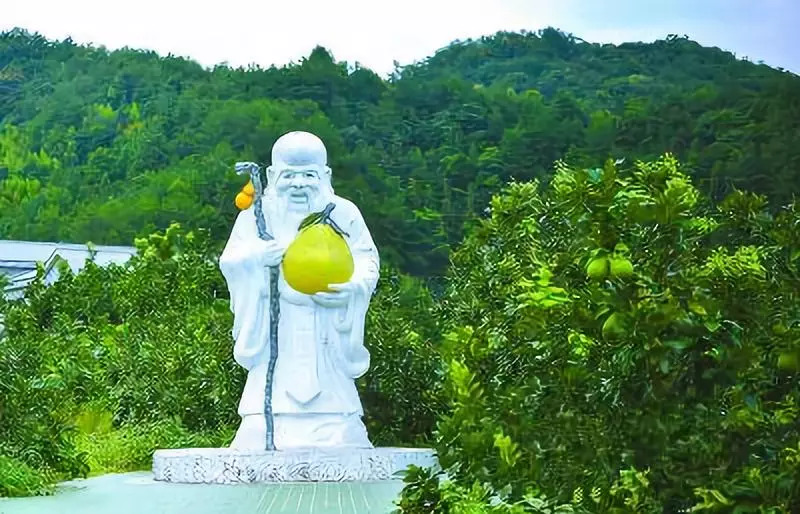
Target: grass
19 479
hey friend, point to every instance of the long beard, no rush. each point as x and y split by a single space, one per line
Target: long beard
285 217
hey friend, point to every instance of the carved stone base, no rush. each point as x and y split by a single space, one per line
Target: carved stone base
229 466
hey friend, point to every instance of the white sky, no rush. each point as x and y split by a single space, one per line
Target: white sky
376 33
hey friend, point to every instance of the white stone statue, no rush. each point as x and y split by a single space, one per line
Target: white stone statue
312 401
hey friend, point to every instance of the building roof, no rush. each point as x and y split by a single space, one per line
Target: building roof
18 260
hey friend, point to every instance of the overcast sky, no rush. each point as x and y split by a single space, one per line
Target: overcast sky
376 33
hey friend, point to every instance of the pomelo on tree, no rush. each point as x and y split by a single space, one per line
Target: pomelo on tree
788 361
597 269
621 268
614 327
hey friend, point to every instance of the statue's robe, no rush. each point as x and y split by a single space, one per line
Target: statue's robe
320 349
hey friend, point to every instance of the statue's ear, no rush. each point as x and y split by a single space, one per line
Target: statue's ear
328 171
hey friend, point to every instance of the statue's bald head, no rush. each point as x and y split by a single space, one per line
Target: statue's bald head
299 172
299 149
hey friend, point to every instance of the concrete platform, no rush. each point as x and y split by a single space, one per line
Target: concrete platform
228 466
137 493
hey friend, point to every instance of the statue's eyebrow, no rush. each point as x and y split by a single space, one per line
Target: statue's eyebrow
290 172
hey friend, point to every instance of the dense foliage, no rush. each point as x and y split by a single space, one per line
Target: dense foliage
106 146
616 343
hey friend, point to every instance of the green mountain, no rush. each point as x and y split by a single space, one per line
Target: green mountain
106 146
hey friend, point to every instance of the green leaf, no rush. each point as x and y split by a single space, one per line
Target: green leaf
621 249
679 344
695 307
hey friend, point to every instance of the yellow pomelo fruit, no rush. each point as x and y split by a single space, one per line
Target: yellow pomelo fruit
621 268
248 189
597 269
317 257
243 201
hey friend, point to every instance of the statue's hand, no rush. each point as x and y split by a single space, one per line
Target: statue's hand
339 297
271 253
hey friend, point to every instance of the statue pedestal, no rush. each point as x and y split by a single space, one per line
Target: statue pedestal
229 466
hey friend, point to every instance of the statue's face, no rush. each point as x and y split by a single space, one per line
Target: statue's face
300 186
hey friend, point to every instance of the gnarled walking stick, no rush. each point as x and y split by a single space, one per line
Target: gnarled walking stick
274 305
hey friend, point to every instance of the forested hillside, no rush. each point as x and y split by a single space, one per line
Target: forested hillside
105 146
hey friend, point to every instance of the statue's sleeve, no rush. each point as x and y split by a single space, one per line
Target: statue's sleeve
366 261
366 270
247 283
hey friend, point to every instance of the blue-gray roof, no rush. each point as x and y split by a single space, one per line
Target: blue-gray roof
18 260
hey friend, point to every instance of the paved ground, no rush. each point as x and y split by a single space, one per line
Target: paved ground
135 493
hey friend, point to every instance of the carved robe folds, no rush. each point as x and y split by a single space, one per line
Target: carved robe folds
320 349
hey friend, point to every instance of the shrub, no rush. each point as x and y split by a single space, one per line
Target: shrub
131 447
401 392
100 368
621 343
